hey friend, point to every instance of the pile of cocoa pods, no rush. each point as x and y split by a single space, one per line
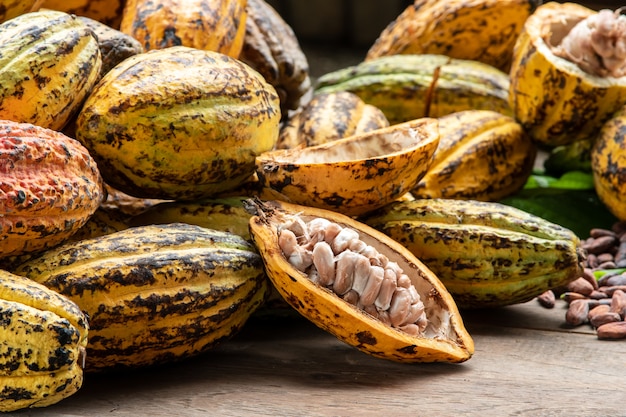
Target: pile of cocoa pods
598 297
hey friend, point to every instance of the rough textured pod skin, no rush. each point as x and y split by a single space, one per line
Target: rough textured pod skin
481 30
44 336
115 46
191 131
271 47
226 214
411 86
327 117
556 101
445 339
213 25
49 62
155 294
482 155
608 164
50 188
13 8
487 254
108 12
356 174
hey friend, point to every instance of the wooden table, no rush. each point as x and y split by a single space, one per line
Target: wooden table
527 363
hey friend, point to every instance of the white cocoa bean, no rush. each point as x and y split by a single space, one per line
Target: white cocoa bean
400 306
324 261
344 272
374 281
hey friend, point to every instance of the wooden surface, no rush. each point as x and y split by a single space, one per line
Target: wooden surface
526 364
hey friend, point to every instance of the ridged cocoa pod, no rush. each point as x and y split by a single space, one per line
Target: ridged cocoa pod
271 47
44 336
482 155
49 62
608 164
13 8
108 12
50 188
329 117
155 294
191 132
212 25
115 46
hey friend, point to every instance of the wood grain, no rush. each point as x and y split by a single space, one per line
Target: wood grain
527 363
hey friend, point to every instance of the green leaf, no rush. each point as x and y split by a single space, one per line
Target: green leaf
579 210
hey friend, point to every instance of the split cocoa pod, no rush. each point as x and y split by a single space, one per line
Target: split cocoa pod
358 284
567 75
355 174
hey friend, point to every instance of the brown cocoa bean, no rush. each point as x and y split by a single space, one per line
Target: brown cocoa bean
600 319
609 290
598 295
601 244
597 232
577 312
581 286
547 299
606 257
592 261
619 279
606 265
618 303
590 277
620 255
614 330
599 309
570 296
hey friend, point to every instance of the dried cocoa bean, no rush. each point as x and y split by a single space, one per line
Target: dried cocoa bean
577 312
614 330
618 303
547 299
619 279
601 244
603 318
581 286
570 296
590 277
599 232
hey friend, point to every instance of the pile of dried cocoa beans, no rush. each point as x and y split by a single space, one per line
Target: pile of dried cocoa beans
598 297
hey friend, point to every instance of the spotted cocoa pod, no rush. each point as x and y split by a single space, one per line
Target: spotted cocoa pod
357 301
49 62
50 187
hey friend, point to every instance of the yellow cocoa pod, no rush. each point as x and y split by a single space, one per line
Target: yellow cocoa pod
554 99
482 155
213 25
13 8
608 164
327 117
352 175
481 30
410 86
357 295
49 62
271 47
226 214
179 123
155 294
487 254
108 12
44 336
